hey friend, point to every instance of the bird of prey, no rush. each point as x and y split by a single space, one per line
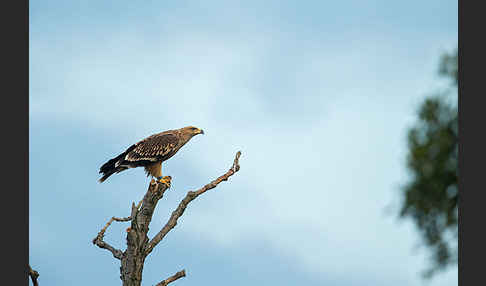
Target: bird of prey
150 153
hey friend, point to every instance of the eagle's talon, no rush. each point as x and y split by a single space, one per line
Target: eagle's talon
165 180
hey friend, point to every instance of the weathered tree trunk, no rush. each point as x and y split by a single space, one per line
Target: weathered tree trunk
133 259
139 246
134 256
131 270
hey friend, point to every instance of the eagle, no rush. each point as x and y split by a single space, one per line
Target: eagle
150 153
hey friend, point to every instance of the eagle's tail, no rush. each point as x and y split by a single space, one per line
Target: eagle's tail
111 167
105 176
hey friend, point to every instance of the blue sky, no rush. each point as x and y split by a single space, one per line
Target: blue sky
318 96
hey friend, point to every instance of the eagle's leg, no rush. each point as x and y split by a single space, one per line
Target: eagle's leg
164 180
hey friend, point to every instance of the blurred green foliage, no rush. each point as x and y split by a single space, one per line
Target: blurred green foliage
430 197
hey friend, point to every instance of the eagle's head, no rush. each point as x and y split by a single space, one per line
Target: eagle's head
191 131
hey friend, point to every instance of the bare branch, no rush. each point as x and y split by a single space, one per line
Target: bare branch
172 278
117 253
34 275
98 240
187 199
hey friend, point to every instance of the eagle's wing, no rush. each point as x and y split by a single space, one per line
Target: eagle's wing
154 148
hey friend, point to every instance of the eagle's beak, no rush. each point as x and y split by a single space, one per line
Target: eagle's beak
201 131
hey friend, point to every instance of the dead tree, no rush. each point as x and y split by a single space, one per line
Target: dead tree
139 245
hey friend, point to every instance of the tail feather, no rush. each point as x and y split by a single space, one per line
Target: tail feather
112 166
105 176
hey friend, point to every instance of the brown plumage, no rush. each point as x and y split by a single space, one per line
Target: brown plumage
150 152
